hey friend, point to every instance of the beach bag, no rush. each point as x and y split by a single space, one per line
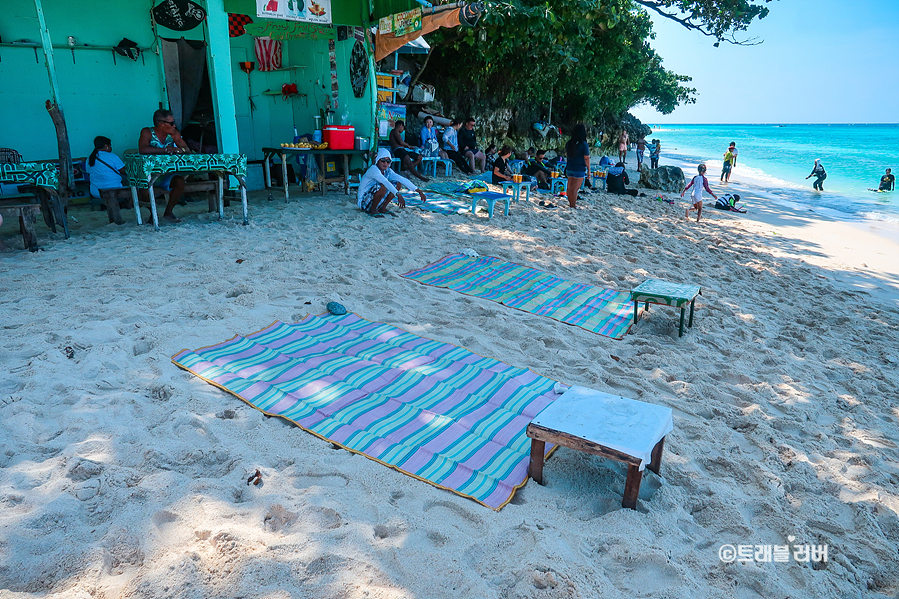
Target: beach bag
422 92
431 148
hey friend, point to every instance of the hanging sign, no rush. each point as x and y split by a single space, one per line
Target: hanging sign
280 30
407 22
179 15
311 11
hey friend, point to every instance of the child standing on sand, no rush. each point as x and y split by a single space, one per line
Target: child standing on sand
698 183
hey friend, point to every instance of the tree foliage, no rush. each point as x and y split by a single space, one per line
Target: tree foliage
592 57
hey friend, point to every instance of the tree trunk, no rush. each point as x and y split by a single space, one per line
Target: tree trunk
66 175
418 75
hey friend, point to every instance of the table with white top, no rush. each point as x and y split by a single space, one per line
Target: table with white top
606 425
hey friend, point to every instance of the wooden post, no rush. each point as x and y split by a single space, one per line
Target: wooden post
632 487
53 107
536 468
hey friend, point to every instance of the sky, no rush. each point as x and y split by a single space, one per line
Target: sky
822 61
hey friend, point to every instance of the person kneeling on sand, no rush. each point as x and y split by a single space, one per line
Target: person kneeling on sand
698 183
377 190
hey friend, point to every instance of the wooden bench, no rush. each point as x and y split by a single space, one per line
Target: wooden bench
112 197
606 425
26 210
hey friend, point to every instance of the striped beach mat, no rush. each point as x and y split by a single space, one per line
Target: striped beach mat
432 410
440 204
603 311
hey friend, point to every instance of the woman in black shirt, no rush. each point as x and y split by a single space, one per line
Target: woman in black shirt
501 170
578 162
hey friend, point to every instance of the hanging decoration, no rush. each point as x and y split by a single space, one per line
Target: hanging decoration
268 54
359 69
285 30
247 67
179 15
237 24
332 54
311 11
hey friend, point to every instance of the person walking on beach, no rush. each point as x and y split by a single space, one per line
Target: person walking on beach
819 172
641 148
887 182
733 150
698 183
623 143
728 165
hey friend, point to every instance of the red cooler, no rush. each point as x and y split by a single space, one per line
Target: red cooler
339 137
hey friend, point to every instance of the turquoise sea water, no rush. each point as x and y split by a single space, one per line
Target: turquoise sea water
775 159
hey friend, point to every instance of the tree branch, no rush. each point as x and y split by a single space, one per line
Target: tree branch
687 23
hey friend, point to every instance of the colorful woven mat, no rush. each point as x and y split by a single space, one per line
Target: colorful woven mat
604 311
440 204
434 411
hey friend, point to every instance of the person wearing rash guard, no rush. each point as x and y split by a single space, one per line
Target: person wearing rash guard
698 183
377 189
887 182
820 174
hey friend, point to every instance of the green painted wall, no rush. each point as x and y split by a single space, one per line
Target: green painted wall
97 96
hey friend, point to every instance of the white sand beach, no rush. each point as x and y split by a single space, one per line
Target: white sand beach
122 475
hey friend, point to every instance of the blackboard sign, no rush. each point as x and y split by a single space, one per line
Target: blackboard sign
180 15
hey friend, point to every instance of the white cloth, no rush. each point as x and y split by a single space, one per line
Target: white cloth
373 179
102 176
626 425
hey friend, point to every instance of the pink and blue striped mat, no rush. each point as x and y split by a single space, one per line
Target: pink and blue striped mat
603 311
434 411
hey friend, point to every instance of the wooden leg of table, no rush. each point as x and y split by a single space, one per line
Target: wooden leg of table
284 177
26 223
632 486
346 174
692 304
683 311
267 170
134 199
114 210
536 468
321 164
636 311
656 460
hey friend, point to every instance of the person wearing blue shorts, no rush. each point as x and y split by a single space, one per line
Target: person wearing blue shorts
578 153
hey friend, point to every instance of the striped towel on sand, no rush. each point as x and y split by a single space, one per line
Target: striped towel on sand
434 411
440 204
604 311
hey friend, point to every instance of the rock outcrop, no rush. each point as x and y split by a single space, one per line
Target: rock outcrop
664 178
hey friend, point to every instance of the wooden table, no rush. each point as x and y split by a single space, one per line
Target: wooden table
269 153
654 291
618 428
144 169
44 178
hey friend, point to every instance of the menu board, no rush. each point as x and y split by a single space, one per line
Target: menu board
311 11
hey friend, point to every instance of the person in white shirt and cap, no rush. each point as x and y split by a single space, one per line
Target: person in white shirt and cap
377 189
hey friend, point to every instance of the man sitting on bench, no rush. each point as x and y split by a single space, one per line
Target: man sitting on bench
403 151
164 138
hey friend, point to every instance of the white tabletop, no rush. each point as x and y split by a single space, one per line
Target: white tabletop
626 425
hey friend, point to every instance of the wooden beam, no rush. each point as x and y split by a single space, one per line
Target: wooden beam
48 52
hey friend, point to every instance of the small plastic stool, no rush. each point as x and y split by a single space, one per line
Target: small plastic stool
429 166
491 199
561 182
516 189
516 166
